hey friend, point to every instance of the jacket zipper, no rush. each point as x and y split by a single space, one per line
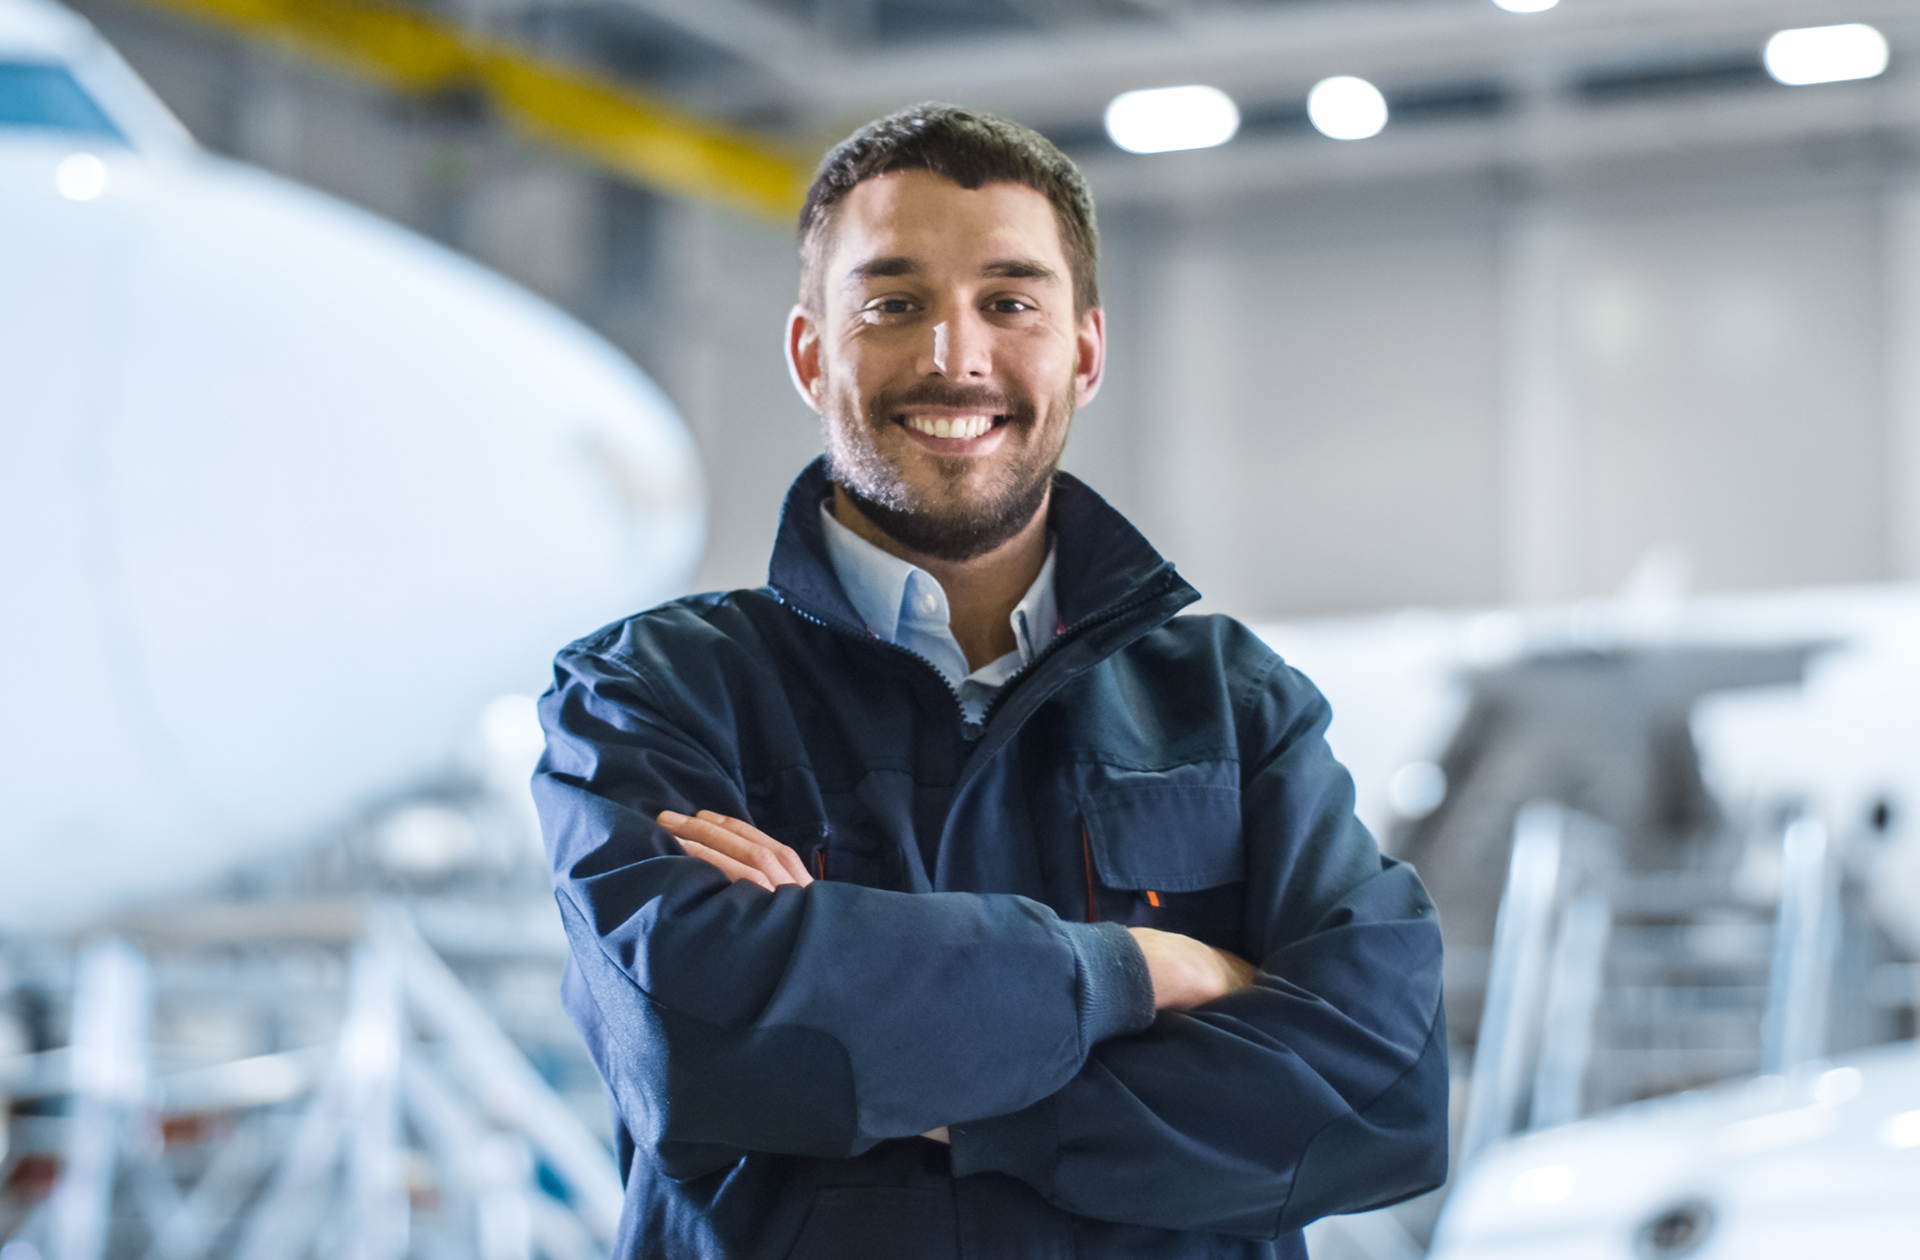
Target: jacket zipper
993 703
1086 857
1060 641
870 637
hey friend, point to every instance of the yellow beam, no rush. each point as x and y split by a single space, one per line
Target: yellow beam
625 131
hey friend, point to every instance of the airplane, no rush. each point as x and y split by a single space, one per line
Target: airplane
288 495
1725 1067
1834 734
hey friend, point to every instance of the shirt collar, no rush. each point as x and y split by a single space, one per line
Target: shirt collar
897 599
875 582
1036 618
1105 565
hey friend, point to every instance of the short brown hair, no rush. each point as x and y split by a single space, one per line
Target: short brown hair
969 148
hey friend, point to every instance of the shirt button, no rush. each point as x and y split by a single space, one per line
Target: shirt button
929 603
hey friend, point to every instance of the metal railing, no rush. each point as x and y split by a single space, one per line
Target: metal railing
418 1071
1558 938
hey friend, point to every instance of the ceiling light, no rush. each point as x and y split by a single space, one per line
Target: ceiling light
1160 120
1826 54
1526 6
1347 108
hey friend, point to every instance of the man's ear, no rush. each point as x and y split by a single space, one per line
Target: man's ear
803 355
1090 355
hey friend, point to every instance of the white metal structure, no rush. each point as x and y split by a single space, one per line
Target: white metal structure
1838 743
287 494
420 1094
1808 1159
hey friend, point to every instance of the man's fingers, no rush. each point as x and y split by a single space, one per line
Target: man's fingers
735 871
741 852
762 854
788 859
724 842
744 843
1239 970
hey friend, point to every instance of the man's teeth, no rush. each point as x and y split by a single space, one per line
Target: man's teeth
941 427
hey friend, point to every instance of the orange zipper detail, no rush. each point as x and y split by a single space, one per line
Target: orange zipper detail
1153 899
819 863
1086 856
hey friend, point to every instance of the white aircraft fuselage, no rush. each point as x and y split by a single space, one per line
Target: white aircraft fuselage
287 493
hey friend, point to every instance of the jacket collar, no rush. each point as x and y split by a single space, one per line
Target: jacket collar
1104 563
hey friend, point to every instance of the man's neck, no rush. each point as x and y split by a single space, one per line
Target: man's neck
981 592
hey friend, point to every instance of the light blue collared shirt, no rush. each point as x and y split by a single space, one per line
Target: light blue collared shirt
905 605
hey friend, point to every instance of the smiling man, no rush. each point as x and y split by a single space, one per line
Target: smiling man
951 895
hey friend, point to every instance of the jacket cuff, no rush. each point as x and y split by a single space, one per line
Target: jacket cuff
1116 991
1024 1144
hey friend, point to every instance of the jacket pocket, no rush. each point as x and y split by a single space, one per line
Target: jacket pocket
1165 851
879 1223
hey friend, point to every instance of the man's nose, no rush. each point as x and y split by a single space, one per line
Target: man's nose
958 350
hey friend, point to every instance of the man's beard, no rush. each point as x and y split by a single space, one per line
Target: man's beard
945 526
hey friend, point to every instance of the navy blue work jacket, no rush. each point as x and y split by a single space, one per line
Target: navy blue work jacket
959 960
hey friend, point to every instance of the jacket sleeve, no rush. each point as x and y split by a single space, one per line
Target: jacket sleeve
1321 1089
811 1021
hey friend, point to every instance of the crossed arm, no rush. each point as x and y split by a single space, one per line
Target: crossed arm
1248 1107
1185 972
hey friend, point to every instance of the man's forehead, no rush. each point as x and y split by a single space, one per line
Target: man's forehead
921 215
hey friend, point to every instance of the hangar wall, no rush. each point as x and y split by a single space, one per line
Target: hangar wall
1542 381
1541 385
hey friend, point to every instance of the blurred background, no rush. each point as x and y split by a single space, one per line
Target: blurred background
1544 379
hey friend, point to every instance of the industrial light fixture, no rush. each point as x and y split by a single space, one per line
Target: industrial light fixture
1826 54
1161 120
1525 6
1346 108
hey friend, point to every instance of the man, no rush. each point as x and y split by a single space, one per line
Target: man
950 896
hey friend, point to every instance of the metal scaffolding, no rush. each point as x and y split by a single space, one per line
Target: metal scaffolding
419 1129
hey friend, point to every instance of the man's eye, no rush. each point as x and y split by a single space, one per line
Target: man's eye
1009 306
891 306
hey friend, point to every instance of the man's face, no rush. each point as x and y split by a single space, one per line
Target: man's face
946 360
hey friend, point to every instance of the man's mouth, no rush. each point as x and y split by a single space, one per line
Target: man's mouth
961 428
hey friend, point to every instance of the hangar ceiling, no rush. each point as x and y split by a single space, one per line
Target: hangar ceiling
1472 88
1063 56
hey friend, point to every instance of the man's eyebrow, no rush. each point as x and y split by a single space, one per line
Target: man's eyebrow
873 268
894 265
1019 269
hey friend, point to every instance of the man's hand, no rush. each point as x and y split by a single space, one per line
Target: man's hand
737 850
1187 973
